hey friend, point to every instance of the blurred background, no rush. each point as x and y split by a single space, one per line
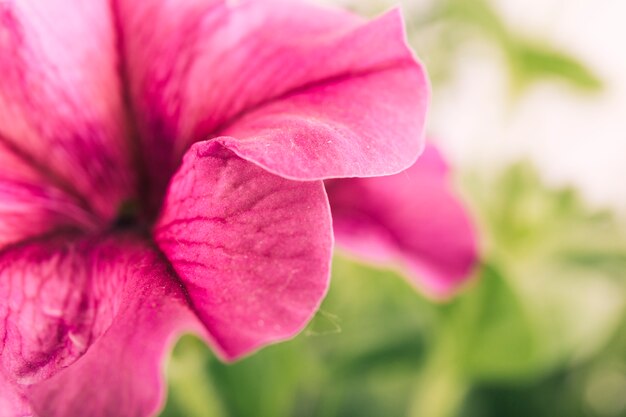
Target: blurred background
529 106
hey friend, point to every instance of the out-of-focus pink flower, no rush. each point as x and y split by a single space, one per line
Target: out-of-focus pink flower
413 219
161 167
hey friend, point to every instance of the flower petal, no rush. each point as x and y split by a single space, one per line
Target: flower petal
252 249
306 92
12 402
413 217
60 96
30 206
85 323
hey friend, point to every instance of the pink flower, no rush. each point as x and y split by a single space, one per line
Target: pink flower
413 219
161 167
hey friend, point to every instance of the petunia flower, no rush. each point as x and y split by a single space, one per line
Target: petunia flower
161 171
413 219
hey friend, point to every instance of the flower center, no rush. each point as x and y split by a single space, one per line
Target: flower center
129 217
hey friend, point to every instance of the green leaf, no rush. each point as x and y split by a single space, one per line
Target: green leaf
490 331
534 61
561 261
529 61
191 391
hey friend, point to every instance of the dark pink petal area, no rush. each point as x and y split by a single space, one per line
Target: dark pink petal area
304 91
85 325
413 218
60 96
252 249
30 207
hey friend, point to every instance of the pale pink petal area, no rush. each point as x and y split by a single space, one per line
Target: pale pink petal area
61 98
85 324
304 91
413 218
31 205
12 402
252 249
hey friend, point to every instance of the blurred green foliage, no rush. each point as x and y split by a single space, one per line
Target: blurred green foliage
529 60
538 331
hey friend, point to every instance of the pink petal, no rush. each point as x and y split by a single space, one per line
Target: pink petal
85 325
252 249
413 218
30 207
304 91
60 96
12 402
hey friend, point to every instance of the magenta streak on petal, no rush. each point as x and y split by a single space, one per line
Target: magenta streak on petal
16 165
85 324
245 70
60 105
252 249
30 208
413 218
